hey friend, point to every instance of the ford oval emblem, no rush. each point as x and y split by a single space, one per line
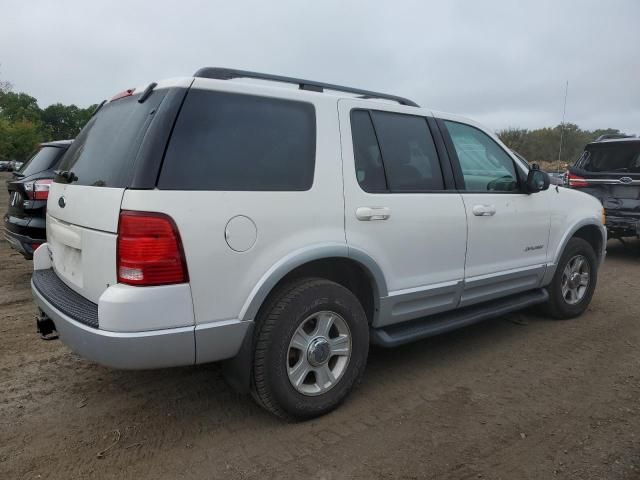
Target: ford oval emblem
626 180
62 202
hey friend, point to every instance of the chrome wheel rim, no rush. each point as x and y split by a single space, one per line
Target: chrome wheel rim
575 279
319 352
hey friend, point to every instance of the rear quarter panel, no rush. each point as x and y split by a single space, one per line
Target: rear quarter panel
222 279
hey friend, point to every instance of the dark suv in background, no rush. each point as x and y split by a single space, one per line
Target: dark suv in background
25 220
609 169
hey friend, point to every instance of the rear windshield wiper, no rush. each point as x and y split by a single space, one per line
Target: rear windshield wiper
67 175
147 92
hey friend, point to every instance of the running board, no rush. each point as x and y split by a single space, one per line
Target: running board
405 332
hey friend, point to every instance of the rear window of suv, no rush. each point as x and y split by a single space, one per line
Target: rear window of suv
105 151
235 142
617 157
44 159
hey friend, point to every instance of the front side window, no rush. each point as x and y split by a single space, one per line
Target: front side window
485 166
233 142
394 152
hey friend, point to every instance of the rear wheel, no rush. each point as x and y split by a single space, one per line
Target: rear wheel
311 349
574 282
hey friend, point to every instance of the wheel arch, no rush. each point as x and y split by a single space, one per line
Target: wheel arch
330 261
590 230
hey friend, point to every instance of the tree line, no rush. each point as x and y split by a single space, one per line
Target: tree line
24 125
542 145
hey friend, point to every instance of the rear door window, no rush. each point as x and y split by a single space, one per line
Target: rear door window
105 151
394 152
366 153
233 142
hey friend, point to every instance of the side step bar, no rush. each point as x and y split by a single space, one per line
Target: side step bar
406 332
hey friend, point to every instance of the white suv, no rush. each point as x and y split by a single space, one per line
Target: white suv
284 225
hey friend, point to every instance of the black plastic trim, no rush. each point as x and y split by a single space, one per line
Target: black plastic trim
154 144
218 73
65 300
407 332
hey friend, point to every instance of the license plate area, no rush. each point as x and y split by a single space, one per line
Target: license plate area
626 192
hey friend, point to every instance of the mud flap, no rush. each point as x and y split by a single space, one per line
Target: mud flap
237 370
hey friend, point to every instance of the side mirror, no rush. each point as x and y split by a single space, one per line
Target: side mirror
537 180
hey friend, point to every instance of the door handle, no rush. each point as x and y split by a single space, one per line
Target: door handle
484 210
367 214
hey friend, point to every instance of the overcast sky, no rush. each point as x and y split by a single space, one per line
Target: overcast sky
504 63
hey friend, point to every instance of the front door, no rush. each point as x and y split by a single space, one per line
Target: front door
508 230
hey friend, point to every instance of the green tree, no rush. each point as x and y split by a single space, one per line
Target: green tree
19 106
19 139
64 121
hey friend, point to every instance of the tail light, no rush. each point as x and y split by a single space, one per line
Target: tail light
149 250
125 93
577 182
38 190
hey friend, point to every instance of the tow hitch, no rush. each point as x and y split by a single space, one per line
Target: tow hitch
46 327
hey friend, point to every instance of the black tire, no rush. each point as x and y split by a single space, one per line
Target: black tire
275 327
557 306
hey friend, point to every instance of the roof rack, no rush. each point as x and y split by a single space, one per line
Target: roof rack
612 136
229 73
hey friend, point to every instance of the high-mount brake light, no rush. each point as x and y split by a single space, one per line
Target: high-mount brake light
149 250
38 190
576 181
125 93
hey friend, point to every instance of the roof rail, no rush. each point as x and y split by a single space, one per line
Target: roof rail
229 73
612 136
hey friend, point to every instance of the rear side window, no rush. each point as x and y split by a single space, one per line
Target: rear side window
105 151
612 157
225 141
44 159
394 152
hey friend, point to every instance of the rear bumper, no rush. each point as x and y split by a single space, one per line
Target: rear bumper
126 350
81 324
619 226
22 243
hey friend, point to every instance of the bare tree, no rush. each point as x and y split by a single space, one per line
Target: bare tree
5 86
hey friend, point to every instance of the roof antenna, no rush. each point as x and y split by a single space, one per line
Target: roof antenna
564 111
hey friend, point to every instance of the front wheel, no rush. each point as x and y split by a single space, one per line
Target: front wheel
574 282
311 348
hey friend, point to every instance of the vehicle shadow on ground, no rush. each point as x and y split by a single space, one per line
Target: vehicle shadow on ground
200 392
627 251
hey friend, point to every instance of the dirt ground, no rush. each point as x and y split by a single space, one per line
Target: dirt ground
522 397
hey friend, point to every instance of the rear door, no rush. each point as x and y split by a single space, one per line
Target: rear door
83 213
401 208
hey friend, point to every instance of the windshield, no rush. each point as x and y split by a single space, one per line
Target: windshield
104 153
44 159
612 157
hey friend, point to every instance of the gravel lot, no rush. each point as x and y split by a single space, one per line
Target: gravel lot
518 397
